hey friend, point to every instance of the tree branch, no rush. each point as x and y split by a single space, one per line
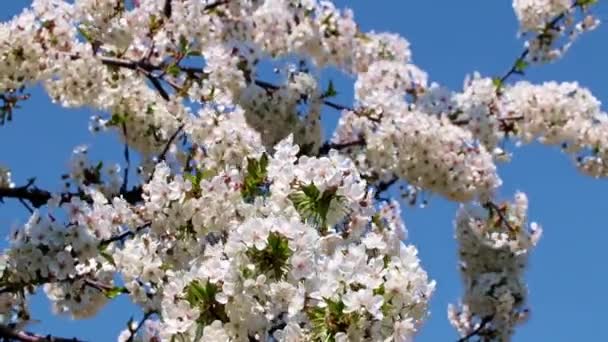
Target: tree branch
147 315
493 207
38 197
123 236
326 147
125 180
477 330
515 68
383 186
8 333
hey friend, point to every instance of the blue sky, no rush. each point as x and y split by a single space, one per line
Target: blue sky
449 39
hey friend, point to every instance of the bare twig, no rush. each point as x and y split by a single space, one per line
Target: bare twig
125 180
123 236
27 206
38 197
8 333
384 186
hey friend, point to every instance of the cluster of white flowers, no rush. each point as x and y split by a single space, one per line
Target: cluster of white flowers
276 113
493 249
534 14
434 154
553 24
287 247
244 224
562 114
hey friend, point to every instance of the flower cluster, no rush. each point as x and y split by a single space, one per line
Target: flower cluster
294 249
493 247
434 154
553 26
562 114
243 223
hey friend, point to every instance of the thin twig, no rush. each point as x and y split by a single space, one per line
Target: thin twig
156 83
38 197
123 236
326 147
495 208
384 186
147 315
216 4
163 154
27 206
8 333
125 180
549 26
477 330
272 87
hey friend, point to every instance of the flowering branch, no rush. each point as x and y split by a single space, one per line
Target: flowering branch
519 65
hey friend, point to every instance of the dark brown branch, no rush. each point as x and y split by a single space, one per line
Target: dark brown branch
270 86
125 181
163 154
10 334
147 315
27 206
215 5
384 186
484 322
493 207
123 236
38 197
167 9
325 148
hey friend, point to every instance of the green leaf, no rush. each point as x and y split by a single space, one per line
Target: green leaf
330 91
497 82
585 3
272 260
155 23
117 119
520 65
183 44
88 36
312 205
173 70
115 292
109 258
255 178
193 53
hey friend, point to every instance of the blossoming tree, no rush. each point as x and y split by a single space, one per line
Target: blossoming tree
245 223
